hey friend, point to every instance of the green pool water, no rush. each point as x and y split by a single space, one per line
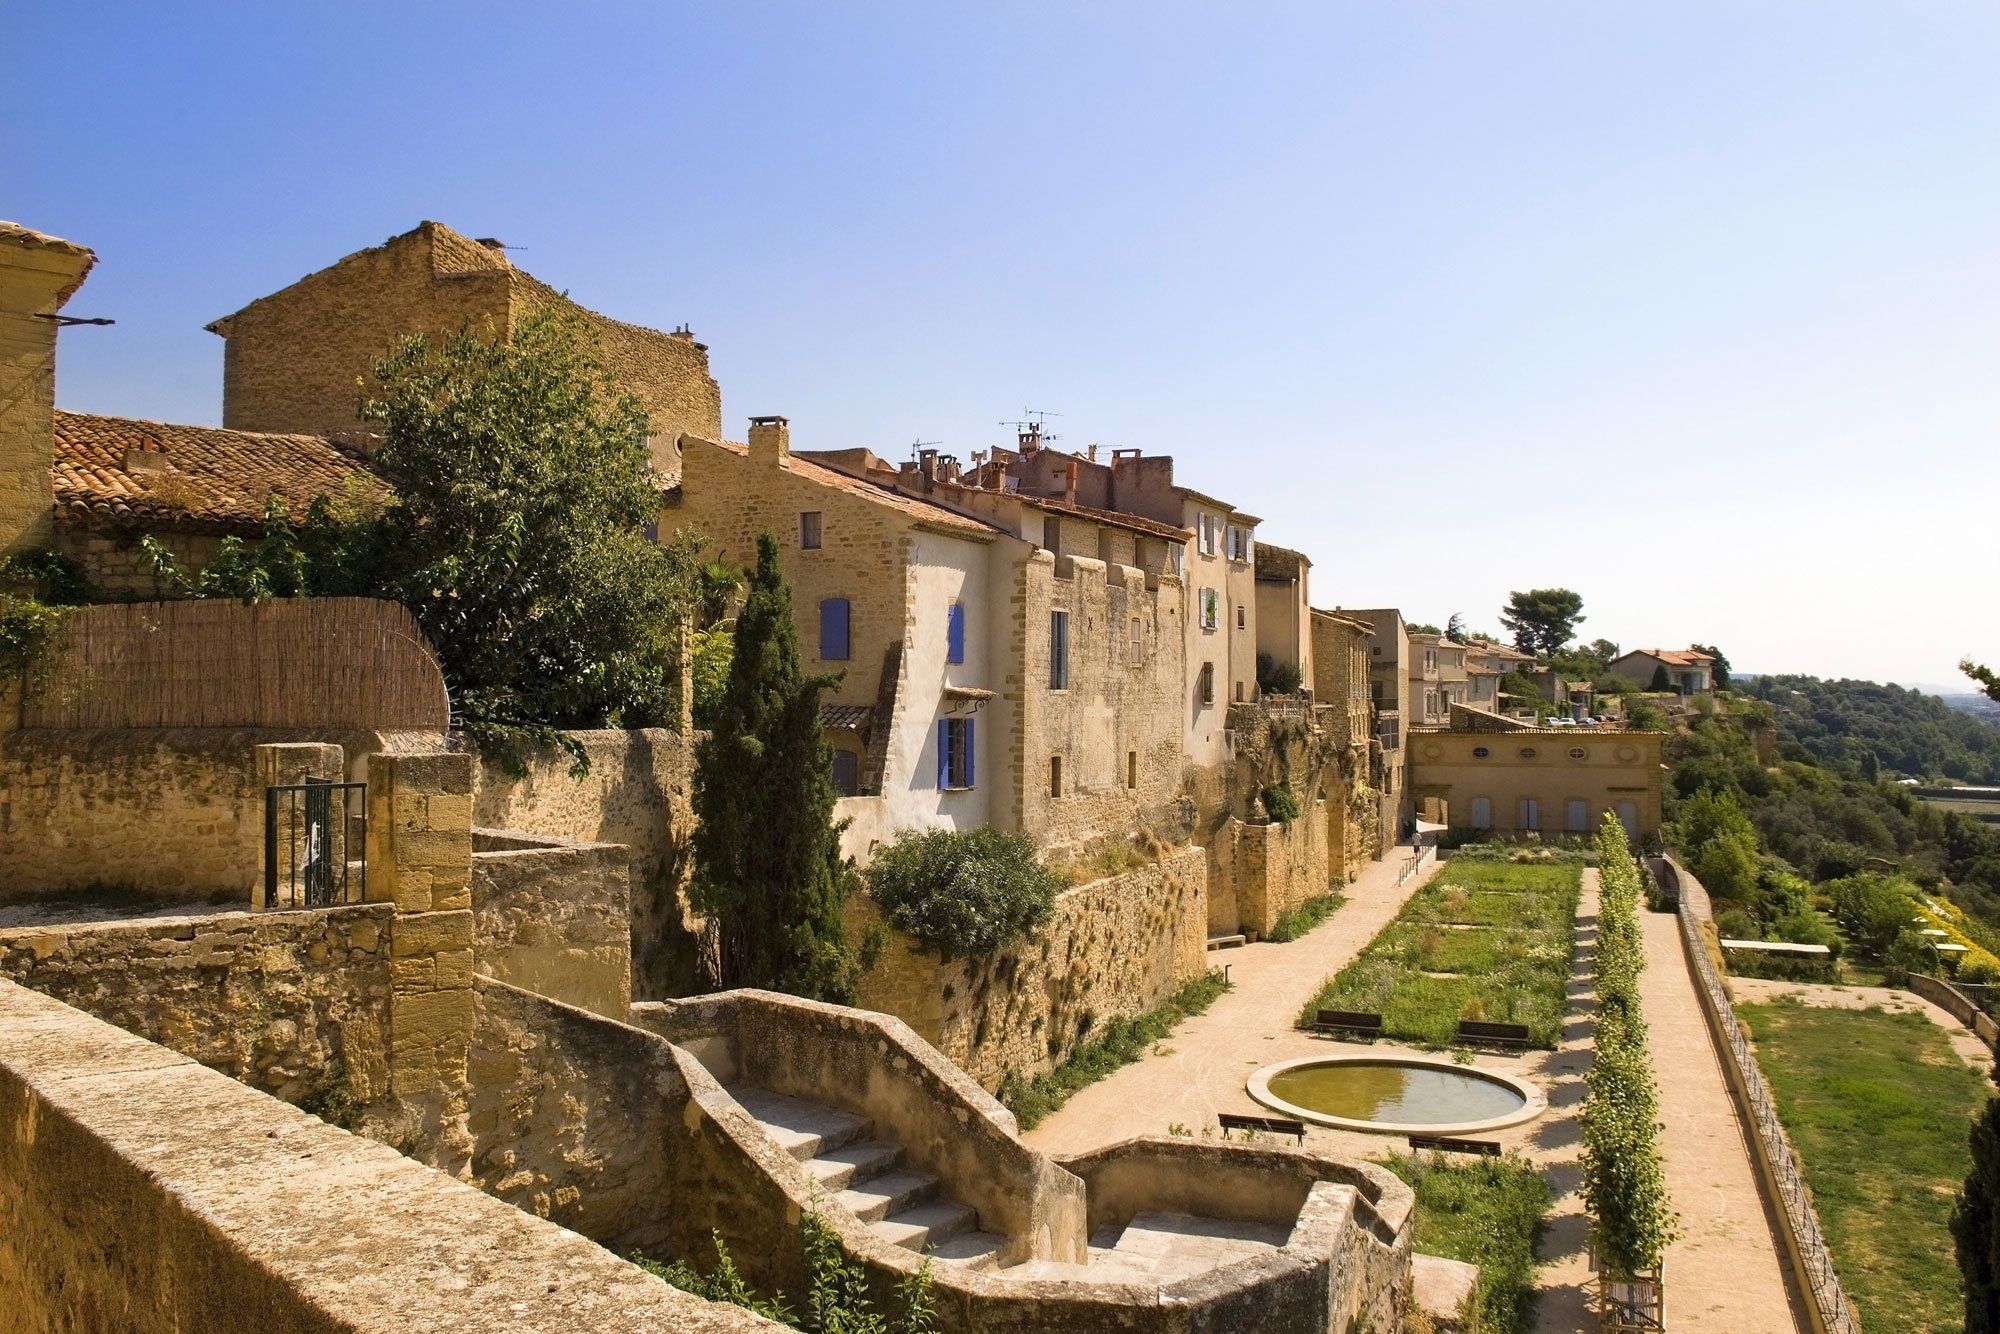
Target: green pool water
1412 1095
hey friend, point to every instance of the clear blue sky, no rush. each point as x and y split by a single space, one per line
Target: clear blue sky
1692 307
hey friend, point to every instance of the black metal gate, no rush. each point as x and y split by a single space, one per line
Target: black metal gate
315 844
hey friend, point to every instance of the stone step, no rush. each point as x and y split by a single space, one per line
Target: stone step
926 1224
890 1193
852 1164
803 1129
974 1250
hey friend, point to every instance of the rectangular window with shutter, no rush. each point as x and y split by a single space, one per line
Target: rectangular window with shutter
834 615
1138 642
1058 650
954 633
809 530
955 757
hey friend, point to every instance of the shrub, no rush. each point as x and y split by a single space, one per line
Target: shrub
962 894
1305 917
1280 804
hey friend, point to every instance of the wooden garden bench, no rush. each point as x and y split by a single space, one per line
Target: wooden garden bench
1348 1021
1499 1035
1485 1148
1270 1125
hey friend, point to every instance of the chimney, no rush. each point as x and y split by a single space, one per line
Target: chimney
1093 453
37 275
947 469
770 440
146 457
1069 481
927 464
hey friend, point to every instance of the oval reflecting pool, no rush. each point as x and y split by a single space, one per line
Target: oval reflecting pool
1396 1094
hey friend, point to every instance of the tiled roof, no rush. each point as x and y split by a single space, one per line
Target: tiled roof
846 717
1111 518
27 238
190 475
1677 657
915 507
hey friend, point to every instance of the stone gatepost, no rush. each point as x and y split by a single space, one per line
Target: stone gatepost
286 764
420 859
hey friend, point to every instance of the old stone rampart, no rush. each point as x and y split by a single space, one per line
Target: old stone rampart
294 1003
143 1193
1113 948
554 916
636 792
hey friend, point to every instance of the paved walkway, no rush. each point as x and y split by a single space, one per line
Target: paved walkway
1200 1070
1562 1270
1724 1274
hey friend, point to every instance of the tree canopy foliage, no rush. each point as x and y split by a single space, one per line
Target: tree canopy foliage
1542 620
963 894
768 871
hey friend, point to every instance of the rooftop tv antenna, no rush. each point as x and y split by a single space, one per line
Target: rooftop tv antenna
1029 428
919 446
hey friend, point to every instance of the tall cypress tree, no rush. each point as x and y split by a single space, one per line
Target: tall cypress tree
768 871
1975 1225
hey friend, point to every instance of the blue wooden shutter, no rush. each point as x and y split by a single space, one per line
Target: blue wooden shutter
968 753
954 633
833 629
944 753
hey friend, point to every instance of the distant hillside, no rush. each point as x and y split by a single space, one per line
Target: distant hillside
1881 729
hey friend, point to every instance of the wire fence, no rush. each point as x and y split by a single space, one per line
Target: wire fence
1813 1262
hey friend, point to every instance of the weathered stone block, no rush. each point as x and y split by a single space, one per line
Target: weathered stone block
430 933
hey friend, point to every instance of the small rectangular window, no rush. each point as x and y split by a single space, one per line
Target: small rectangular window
1132 768
846 773
1205 683
1239 616
1138 642
1055 775
1058 650
809 530
955 758
1052 535
1239 692
1211 609
954 633
833 630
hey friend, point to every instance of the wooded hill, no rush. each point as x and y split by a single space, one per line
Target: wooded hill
1880 730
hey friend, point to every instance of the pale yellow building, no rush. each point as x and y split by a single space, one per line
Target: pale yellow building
1550 781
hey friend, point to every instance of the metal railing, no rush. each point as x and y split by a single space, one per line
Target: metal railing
1778 1163
315 844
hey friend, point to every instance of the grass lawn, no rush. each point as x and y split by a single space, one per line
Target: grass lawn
1483 940
1878 1106
1485 1212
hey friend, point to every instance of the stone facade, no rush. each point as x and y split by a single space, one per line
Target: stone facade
38 274
295 360
1114 948
294 1003
1548 780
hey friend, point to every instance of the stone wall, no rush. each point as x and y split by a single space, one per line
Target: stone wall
118 569
1116 947
554 917
142 1193
294 1003
637 792
1265 869
173 814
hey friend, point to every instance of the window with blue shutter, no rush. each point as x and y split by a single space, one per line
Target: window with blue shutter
833 614
955 760
954 633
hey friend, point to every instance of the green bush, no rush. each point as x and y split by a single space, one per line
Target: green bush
959 895
1486 1213
839 1299
1276 678
1305 917
1280 804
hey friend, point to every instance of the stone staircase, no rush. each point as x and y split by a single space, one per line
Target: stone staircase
869 1178
1157 1248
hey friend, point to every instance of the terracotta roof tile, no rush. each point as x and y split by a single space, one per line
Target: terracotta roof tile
204 476
1676 657
915 507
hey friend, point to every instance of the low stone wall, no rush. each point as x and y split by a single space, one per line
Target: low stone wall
637 792
294 1003
1113 948
554 917
173 814
1941 993
142 1193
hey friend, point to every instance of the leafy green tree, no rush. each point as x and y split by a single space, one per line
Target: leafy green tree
1660 681
1542 620
1454 629
1988 679
960 895
515 530
1975 1225
768 871
1422 628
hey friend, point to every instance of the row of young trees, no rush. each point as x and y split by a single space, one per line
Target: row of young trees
1624 1180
